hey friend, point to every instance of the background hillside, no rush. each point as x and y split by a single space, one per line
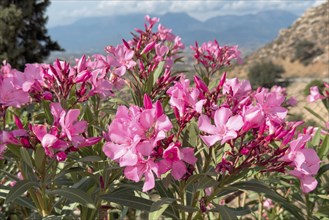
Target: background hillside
302 50
248 31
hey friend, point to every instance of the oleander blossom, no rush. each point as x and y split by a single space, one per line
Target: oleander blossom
184 98
226 126
11 87
132 137
212 55
174 158
65 134
314 94
305 162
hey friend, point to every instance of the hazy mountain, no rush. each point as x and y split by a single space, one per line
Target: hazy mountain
302 49
248 31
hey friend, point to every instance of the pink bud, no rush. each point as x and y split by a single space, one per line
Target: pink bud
18 122
200 84
47 96
60 156
147 102
222 80
148 47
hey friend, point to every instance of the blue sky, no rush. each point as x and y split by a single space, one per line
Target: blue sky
62 12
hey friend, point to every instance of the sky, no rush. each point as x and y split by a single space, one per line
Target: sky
63 12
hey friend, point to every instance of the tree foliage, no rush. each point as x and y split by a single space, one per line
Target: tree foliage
306 51
23 35
265 74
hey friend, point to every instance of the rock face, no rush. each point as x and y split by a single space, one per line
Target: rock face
312 28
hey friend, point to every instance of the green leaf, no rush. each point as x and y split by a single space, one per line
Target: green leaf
202 181
20 188
225 212
324 148
314 113
26 157
90 159
259 187
130 201
39 158
14 149
158 72
75 195
185 208
322 170
46 108
316 139
158 207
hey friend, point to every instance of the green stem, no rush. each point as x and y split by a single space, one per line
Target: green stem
308 206
260 208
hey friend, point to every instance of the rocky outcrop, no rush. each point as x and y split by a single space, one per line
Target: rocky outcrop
310 35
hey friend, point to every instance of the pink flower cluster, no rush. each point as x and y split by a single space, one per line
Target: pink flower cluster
305 162
12 89
65 135
134 141
212 56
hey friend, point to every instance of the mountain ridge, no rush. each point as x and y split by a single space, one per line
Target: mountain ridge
248 31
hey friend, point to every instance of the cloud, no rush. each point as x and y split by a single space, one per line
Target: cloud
63 12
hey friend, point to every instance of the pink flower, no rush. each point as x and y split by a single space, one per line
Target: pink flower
292 101
270 103
305 161
268 204
295 146
142 168
165 33
151 21
238 89
174 158
314 94
307 182
225 128
11 95
66 132
132 137
253 117
184 98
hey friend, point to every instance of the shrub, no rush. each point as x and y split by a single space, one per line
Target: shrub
305 51
265 74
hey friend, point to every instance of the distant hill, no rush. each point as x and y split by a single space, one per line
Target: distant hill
302 50
248 31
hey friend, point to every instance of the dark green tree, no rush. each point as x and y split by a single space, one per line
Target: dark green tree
23 33
265 74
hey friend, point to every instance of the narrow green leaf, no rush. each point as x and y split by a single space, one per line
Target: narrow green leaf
158 207
225 212
316 139
11 176
75 195
314 113
324 148
130 201
14 149
185 208
259 187
158 72
90 159
19 188
46 108
39 158
322 170
26 157
205 182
